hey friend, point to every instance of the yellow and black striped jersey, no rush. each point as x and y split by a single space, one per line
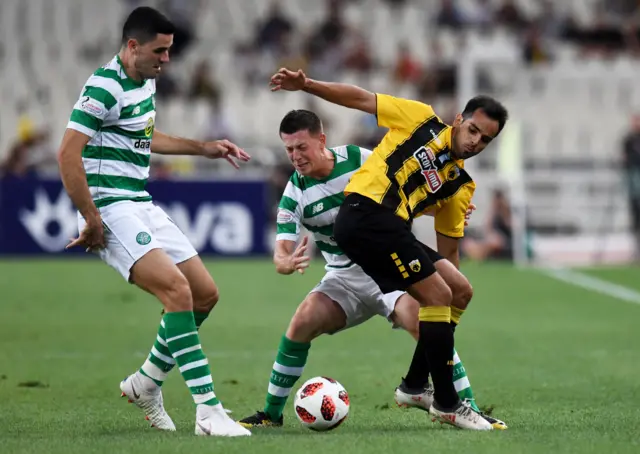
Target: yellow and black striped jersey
411 171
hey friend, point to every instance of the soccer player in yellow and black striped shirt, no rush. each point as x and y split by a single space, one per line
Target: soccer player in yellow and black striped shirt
417 168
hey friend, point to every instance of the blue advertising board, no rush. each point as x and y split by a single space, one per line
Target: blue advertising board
219 217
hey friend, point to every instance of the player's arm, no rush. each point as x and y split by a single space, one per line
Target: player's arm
286 256
449 223
170 145
162 143
73 175
337 93
87 116
449 248
391 112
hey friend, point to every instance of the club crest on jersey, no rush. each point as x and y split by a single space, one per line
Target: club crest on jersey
148 130
453 173
414 265
427 161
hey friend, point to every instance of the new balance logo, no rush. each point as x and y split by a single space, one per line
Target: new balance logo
317 208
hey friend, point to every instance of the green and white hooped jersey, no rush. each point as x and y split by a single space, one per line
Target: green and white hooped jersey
118 114
315 204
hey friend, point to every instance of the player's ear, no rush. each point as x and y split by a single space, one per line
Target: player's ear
132 44
458 120
323 139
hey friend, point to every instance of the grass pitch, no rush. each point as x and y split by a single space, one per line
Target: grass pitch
559 363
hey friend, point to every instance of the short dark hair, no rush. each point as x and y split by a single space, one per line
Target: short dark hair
300 120
144 23
491 107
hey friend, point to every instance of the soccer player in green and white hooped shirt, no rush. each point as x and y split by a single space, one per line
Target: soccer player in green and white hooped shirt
104 165
346 296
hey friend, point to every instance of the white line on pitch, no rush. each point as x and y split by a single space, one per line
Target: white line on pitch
585 281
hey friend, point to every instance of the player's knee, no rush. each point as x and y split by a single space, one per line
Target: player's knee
207 300
214 297
442 295
462 291
176 294
432 291
462 295
305 324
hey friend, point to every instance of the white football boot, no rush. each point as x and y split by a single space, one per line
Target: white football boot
214 421
147 396
416 398
462 416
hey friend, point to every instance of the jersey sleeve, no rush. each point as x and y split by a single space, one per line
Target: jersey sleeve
93 107
364 154
449 219
289 215
399 113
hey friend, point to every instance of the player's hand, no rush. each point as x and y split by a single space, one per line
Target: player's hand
298 261
91 237
224 149
467 215
288 80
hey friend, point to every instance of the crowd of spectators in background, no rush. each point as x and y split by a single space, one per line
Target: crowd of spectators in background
330 47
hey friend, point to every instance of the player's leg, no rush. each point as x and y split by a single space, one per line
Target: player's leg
204 291
461 289
318 314
384 246
462 292
414 390
437 335
157 274
203 288
205 296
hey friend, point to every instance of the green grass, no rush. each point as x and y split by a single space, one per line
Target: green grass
559 363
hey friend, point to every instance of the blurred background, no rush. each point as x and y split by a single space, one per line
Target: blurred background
561 185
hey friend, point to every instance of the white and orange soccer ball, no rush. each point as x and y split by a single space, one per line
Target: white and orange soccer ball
321 403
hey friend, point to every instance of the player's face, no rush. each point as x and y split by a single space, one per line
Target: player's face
150 57
305 151
472 135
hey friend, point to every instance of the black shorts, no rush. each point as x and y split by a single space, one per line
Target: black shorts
382 244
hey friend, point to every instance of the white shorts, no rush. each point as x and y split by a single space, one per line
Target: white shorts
357 294
135 228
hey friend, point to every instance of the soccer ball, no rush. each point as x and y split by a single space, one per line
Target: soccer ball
321 403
